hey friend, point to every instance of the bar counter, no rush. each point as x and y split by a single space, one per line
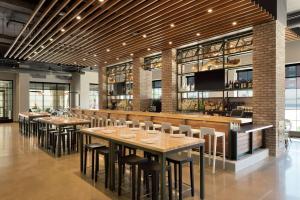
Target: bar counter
237 142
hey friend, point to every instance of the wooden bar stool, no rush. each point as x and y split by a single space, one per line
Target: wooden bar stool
212 132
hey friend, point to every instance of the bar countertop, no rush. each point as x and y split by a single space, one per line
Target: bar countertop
254 127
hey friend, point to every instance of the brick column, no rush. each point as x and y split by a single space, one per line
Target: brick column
102 88
168 76
142 86
269 80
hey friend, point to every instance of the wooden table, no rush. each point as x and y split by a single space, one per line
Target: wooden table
163 146
30 116
61 122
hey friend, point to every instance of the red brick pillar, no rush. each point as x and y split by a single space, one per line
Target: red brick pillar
142 86
269 80
168 76
102 88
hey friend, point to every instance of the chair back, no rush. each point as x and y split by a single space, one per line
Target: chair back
166 127
122 122
185 129
207 131
148 125
135 123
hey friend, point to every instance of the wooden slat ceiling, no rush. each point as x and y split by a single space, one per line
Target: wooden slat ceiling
290 35
94 32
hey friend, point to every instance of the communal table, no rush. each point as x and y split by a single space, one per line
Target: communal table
28 116
61 122
162 145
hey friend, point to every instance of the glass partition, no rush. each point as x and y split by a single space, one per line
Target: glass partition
6 101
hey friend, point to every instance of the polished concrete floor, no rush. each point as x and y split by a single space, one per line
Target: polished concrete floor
28 173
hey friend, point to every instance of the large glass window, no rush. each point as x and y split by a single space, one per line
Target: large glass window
94 96
49 96
292 95
6 100
156 89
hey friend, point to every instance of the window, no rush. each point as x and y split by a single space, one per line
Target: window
6 101
292 95
244 75
48 96
94 96
156 89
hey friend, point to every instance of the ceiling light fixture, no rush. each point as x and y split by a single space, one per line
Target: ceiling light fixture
131 54
78 17
62 30
124 43
170 42
42 47
105 62
100 0
95 65
84 59
172 25
198 34
234 23
144 36
117 58
209 10
51 39
149 49
107 50
95 55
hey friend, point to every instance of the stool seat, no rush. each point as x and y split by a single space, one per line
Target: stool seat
133 159
150 166
94 145
104 150
175 158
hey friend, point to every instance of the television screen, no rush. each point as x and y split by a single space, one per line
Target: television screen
120 88
210 80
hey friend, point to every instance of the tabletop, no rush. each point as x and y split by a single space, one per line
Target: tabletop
34 114
158 141
64 120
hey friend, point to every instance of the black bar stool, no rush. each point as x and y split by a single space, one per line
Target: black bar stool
151 170
132 160
91 147
179 161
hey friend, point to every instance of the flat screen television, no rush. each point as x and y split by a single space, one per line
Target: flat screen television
120 88
210 80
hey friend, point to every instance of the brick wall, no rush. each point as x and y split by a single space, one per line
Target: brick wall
269 80
102 88
142 86
168 74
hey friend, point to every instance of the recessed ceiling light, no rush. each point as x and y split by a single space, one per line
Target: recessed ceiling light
78 17
75 62
107 50
84 59
62 30
170 42
117 58
124 43
35 52
149 49
172 25
95 65
95 55
105 62
209 10
100 0
234 23
29 57
131 54
42 47
144 36
51 39
198 34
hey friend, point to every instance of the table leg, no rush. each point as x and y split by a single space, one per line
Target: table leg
46 137
81 150
162 161
202 180
112 152
29 127
59 142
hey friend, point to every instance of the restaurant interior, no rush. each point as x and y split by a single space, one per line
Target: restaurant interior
139 99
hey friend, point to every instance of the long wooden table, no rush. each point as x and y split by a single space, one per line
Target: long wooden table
61 122
163 146
28 116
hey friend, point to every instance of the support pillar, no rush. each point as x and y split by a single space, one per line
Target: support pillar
168 75
269 81
102 88
142 86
